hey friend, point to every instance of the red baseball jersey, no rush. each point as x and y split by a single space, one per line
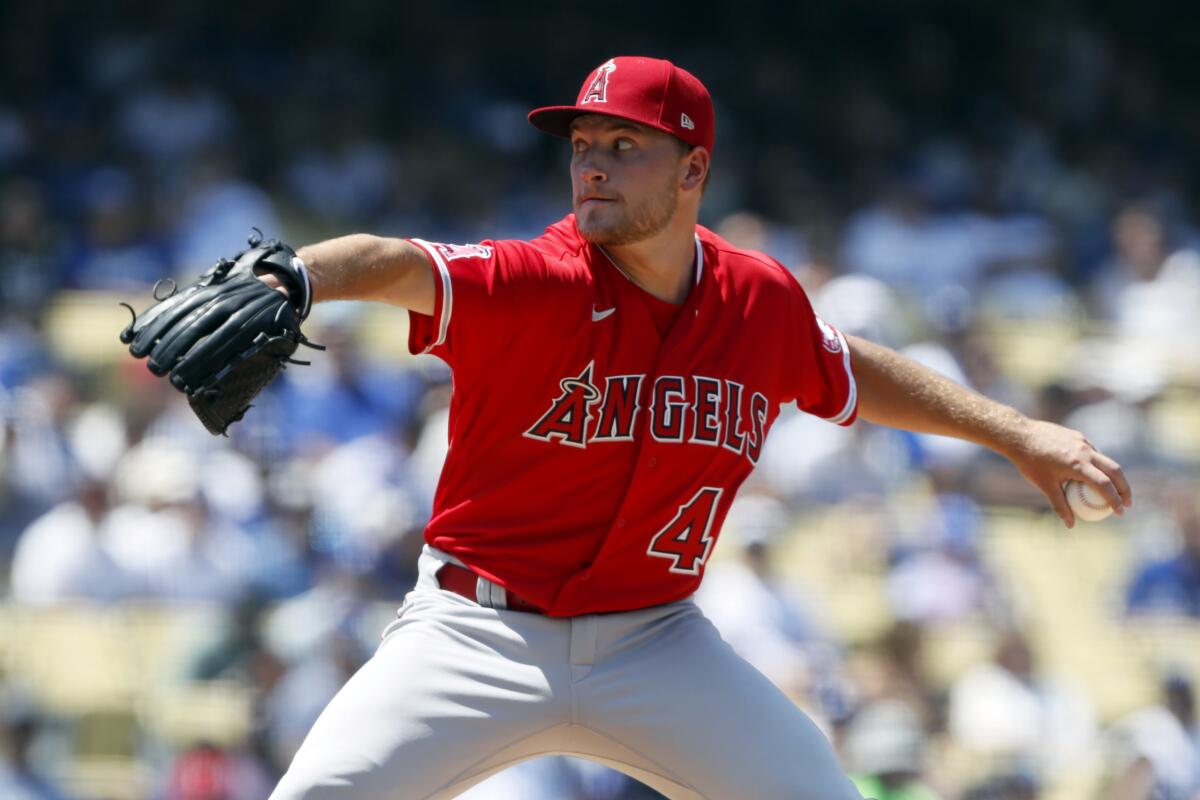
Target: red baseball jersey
592 460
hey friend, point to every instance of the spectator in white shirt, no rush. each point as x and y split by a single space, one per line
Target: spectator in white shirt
61 557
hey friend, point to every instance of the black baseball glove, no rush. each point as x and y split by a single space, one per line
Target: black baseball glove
226 336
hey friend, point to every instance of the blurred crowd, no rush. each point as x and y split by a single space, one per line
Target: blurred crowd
957 185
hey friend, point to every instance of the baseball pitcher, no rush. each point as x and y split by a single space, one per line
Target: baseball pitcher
614 381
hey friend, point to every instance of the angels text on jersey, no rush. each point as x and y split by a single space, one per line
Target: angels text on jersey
691 409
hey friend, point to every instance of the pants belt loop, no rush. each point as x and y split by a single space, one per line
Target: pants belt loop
489 594
584 632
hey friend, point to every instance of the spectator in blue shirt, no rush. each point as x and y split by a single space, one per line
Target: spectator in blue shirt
345 396
1171 586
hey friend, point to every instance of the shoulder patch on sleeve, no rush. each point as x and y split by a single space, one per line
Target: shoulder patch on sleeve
451 252
830 339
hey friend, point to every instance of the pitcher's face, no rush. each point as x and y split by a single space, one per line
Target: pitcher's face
624 179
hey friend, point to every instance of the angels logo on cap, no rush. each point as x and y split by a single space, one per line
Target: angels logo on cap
649 91
597 92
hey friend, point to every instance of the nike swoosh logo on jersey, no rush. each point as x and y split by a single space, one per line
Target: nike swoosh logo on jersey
598 315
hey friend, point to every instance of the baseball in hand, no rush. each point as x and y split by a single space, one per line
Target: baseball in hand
1086 502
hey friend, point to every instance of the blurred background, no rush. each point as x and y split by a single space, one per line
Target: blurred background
1005 192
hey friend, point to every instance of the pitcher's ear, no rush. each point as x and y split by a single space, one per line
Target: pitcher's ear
697 163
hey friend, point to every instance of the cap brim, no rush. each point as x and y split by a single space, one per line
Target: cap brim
556 120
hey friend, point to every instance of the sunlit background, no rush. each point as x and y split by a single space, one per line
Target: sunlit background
1006 192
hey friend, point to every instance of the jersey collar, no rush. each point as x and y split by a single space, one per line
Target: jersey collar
699 261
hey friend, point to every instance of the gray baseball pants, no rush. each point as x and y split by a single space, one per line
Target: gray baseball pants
458 691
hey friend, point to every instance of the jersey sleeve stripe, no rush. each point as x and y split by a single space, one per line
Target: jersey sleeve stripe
847 412
447 292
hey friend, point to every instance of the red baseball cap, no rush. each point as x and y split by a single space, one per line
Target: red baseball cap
650 91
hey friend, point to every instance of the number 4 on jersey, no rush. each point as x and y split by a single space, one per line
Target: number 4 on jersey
687 539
